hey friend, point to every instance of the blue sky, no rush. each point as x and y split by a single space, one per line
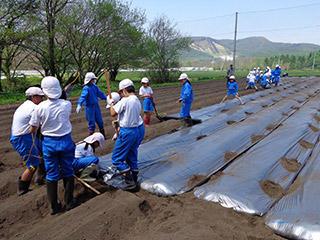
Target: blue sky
198 18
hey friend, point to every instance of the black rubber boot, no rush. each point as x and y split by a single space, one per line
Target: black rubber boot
23 186
52 192
68 193
102 132
40 174
135 176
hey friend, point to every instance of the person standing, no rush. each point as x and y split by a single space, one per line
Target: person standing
125 151
147 94
186 99
90 98
230 71
53 118
27 145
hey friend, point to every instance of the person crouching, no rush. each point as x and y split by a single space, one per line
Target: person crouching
85 160
232 89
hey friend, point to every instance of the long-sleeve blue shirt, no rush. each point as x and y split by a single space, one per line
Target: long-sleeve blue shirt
90 94
232 87
276 72
186 92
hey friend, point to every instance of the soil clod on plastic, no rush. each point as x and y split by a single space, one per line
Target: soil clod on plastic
292 165
196 179
272 189
256 138
306 144
229 156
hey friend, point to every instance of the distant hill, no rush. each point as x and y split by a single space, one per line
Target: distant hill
206 48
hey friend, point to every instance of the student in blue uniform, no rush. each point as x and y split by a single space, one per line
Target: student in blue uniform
232 89
85 160
264 83
27 145
147 94
186 99
53 117
90 98
276 73
125 151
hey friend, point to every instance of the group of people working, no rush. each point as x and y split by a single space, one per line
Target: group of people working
41 130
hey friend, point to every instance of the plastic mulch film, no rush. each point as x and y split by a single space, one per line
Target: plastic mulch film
157 158
297 214
261 176
152 151
191 166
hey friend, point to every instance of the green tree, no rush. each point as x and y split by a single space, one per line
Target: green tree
163 46
14 30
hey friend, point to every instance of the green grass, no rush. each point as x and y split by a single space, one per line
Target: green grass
303 73
195 76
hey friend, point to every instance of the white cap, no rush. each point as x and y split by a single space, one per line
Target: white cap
254 68
115 96
145 80
89 76
51 87
95 137
183 76
125 83
277 66
232 77
31 91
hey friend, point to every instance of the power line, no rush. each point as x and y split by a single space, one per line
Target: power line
250 12
205 19
280 9
281 29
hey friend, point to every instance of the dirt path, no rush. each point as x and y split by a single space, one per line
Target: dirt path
117 214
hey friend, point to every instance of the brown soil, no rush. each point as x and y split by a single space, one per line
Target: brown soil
296 184
317 117
256 138
230 122
306 144
292 165
314 128
229 156
272 189
117 214
196 180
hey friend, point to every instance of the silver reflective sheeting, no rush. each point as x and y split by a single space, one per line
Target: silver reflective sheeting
240 186
297 215
215 118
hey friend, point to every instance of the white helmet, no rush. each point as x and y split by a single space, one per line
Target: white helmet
32 91
51 87
95 137
277 66
115 97
89 76
232 77
183 76
145 80
125 83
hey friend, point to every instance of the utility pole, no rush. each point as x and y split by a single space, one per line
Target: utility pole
235 43
314 60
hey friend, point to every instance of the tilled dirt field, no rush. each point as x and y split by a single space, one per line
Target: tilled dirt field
117 214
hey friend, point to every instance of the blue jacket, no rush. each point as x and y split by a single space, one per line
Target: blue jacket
232 86
90 94
276 72
186 92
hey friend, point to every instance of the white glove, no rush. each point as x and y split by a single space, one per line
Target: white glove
115 136
78 108
111 101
